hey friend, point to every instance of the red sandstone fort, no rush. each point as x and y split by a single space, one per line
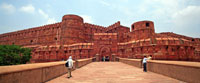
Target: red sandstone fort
73 37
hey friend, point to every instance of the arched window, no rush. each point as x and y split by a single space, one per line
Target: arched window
166 47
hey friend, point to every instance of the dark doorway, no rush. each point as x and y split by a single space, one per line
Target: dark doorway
105 53
107 58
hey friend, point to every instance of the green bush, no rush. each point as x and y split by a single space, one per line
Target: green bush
13 55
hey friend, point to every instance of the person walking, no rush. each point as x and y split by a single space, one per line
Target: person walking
144 61
70 66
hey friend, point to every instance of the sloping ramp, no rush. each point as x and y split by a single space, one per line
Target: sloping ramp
112 72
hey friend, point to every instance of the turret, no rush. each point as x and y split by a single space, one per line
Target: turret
143 29
72 30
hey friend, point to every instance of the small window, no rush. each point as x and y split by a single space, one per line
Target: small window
31 41
192 39
181 41
147 24
132 49
166 47
55 38
133 27
173 50
178 47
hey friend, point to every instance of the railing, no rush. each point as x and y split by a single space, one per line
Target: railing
37 72
82 62
181 70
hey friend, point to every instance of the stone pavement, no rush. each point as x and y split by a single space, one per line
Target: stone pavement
112 72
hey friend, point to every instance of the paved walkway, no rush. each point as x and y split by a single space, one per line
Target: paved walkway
112 72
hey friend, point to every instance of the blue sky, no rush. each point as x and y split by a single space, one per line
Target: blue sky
178 16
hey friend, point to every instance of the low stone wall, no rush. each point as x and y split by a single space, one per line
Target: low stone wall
37 72
133 62
83 62
181 70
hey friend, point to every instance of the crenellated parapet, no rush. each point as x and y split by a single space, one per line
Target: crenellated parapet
113 26
94 26
160 48
30 36
171 34
194 41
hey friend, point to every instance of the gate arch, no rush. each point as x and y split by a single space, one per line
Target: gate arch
105 51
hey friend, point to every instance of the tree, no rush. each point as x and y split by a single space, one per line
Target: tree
13 55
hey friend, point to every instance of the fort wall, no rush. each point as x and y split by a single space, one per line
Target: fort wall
44 35
73 37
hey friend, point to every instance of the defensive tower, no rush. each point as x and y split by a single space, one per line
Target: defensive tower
143 29
72 29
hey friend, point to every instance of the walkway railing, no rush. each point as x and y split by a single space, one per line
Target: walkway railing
37 72
181 70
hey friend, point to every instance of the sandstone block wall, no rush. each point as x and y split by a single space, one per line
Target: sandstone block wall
36 73
133 62
181 70
43 35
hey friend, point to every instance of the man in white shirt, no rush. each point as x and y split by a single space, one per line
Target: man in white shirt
144 61
70 66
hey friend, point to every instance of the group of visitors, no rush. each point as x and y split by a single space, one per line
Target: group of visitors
105 58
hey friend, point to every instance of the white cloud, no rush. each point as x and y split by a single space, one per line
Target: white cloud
43 13
179 16
127 11
51 20
104 3
28 8
160 7
187 18
121 8
46 16
190 13
87 19
8 8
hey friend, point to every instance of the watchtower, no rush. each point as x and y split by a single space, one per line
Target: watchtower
72 29
143 29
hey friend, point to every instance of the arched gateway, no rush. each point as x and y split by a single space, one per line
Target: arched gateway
105 53
105 45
